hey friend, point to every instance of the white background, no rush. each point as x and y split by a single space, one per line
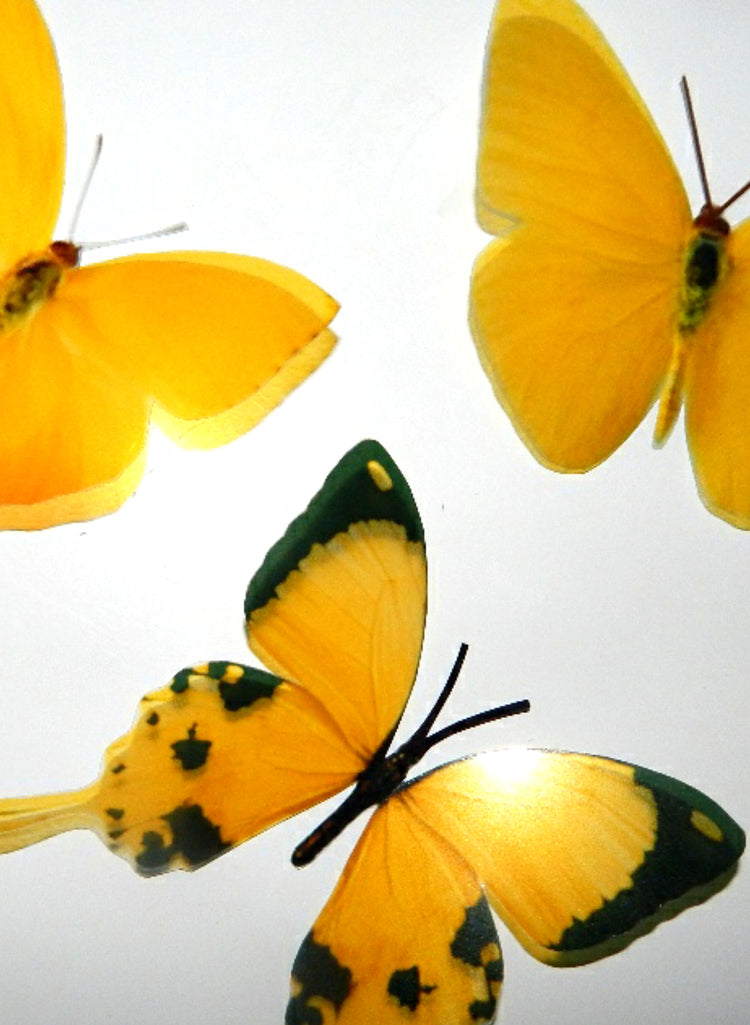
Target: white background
340 138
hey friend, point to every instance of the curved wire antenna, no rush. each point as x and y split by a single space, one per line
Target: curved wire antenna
716 210
98 143
172 229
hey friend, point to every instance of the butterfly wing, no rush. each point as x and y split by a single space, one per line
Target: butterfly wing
407 929
225 751
577 852
32 132
717 392
340 601
574 312
210 342
573 851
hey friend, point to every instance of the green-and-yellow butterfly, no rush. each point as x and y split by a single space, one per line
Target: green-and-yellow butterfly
573 851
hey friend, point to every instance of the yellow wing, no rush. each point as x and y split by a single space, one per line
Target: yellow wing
339 604
407 929
225 751
717 392
210 341
32 132
574 313
577 854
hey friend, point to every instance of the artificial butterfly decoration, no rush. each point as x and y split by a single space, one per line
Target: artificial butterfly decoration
602 292
573 851
203 343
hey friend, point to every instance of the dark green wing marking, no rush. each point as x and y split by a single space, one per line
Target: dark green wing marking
349 495
697 845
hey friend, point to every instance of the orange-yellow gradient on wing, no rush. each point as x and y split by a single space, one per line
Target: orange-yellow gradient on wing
717 393
220 754
206 342
574 313
405 936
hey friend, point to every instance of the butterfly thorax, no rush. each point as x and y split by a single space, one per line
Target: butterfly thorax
374 785
705 267
32 281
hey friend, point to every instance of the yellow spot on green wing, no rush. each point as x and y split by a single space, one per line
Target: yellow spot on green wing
705 825
380 476
232 673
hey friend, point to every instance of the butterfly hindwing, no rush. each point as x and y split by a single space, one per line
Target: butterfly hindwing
407 935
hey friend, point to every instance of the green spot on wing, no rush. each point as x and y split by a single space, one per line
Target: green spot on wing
191 752
349 495
244 690
194 837
404 984
316 973
181 681
682 859
476 944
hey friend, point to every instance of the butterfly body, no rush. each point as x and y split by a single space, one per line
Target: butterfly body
578 854
603 294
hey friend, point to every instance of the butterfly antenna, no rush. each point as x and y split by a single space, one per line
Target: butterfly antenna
98 143
173 229
685 89
423 741
445 693
715 211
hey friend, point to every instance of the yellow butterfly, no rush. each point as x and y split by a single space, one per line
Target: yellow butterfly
573 851
205 343
603 293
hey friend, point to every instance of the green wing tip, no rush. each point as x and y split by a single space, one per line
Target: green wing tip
365 485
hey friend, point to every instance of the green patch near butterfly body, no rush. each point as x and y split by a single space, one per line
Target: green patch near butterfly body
705 266
367 480
695 843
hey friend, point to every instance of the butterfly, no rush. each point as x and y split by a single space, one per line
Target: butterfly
573 851
203 343
602 293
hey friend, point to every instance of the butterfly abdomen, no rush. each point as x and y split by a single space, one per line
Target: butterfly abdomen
32 281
